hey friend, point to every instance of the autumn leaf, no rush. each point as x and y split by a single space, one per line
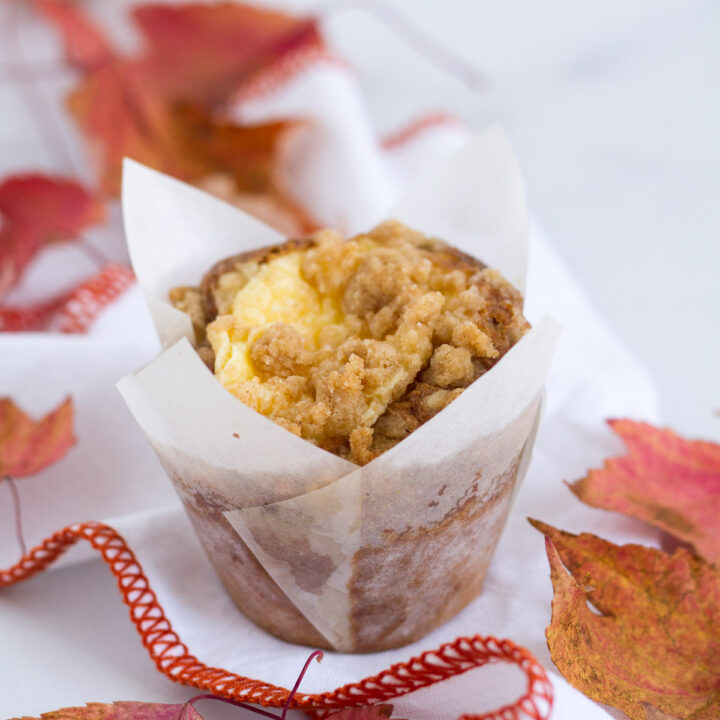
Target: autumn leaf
122 711
201 53
665 480
240 165
36 210
166 107
653 647
157 711
28 446
365 712
121 117
86 47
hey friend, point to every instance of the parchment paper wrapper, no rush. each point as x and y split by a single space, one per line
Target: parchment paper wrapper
311 547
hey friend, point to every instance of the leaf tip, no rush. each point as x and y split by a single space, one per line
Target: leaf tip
539 525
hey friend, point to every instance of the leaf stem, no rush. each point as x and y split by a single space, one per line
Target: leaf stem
220 698
18 514
97 256
317 654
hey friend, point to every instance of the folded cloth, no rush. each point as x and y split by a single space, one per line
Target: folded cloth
343 175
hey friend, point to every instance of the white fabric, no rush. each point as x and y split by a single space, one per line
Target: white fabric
112 475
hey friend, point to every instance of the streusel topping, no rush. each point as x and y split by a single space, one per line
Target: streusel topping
353 344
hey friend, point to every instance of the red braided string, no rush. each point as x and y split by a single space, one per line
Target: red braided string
85 303
284 68
417 127
29 317
172 657
74 311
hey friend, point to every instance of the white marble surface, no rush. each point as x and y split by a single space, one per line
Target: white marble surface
614 109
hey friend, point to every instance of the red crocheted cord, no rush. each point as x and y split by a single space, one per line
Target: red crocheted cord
73 311
417 127
85 303
173 658
284 68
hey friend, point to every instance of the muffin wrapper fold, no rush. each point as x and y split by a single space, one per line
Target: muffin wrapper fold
311 547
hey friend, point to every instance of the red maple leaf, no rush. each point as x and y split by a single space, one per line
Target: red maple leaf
200 53
28 446
665 480
165 108
650 645
364 712
160 711
36 210
121 116
86 47
123 711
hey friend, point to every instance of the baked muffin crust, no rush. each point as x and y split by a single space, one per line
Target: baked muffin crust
352 344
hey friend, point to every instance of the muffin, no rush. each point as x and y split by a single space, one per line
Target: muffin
338 505
352 344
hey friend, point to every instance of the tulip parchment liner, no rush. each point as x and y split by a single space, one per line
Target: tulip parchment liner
311 547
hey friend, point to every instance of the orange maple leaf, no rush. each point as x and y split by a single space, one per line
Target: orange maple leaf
123 711
652 649
86 47
121 117
165 108
665 480
200 53
363 712
28 446
158 711
36 210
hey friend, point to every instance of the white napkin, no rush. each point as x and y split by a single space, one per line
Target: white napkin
345 175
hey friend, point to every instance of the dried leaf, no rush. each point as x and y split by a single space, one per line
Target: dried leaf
208 146
122 711
165 107
121 116
200 53
240 164
652 713
665 480
36 210
86 47
655 642
157 711
364 712
28 446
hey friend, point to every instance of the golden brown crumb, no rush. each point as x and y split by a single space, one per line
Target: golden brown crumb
450 367
281 351
353 344
190 301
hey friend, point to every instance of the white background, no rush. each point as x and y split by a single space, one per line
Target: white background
614 109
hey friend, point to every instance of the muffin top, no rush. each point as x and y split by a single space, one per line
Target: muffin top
352 344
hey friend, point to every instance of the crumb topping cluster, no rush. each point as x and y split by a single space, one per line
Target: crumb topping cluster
353 344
